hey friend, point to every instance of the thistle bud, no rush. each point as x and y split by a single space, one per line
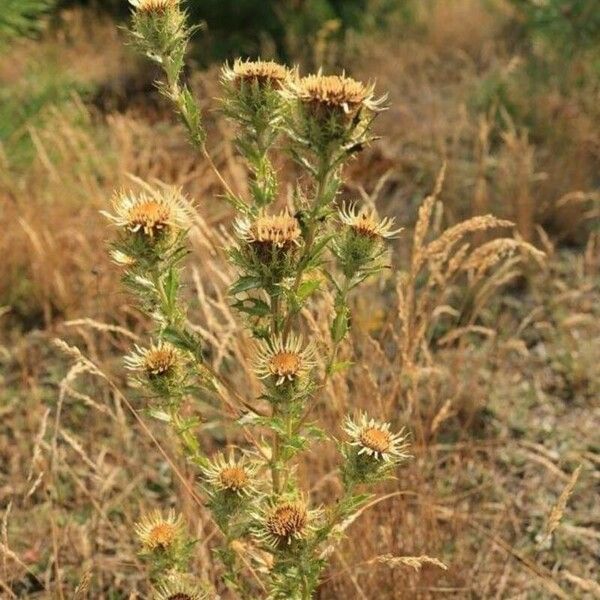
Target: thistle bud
180 587
160 367
372 450
164 540
159 26
150 224
230 484
254 84
286 368
361 242
269 245
330 110
284 525
230 476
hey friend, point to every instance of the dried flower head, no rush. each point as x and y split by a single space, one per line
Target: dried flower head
151 214
364 223
159 360
154 6
284 360
375 439
258 71
229 475
333 92
284 522
281 231
156 532
180 587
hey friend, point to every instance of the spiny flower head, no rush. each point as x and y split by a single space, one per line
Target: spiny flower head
283 522
280 230
159 360
156 532
159 29
375 439
150 214
180 587
262 73
329 112
284 360
155 7
364 222
333 92
228 475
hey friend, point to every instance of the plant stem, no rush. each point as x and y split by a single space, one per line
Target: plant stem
322 180
275 308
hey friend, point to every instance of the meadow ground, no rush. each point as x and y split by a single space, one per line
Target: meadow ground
501 397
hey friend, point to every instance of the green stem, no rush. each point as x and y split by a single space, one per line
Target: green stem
343 298
335 516
322 179
275 445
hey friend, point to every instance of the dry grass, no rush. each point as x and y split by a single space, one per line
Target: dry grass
498 384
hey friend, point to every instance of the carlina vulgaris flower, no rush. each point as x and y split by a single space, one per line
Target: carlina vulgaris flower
365 223
156 532
154 7
283 522
284 360
280 230
151 214
158 361
262 73
324 94
375 439
179 587
230 475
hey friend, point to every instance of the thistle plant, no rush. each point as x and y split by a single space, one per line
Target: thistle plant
285 254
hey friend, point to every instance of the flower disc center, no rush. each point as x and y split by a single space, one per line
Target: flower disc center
285 363
375 439
233 478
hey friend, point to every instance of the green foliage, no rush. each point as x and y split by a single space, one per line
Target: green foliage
22 17
566 25
292 30
30 99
